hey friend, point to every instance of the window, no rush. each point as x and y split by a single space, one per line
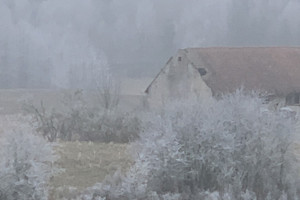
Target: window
179 59
202 71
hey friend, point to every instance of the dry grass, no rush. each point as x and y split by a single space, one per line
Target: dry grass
85 164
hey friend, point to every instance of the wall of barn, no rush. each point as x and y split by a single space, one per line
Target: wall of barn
179 79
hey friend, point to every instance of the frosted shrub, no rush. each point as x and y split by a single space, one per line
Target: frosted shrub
25 167
232 148
78 120
235 144
114 127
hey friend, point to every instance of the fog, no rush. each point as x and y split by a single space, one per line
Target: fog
60 43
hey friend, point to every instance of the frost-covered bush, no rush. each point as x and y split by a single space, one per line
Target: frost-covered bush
79 120
233 148
112 127
26 166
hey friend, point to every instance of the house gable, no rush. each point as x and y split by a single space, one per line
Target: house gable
178 79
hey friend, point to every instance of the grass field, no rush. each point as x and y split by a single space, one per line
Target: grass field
86 163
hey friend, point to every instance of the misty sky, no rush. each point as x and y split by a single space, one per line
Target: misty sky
58 43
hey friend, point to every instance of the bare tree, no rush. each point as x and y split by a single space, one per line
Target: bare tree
106 87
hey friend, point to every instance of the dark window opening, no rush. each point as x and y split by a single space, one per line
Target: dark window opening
202 71
179 59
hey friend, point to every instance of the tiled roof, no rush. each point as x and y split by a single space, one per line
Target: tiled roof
272 69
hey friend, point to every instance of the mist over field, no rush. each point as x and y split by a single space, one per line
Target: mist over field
60 43
77 122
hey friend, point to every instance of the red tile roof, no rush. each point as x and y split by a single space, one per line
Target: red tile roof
272 69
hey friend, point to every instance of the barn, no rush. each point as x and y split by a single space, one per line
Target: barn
211 72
